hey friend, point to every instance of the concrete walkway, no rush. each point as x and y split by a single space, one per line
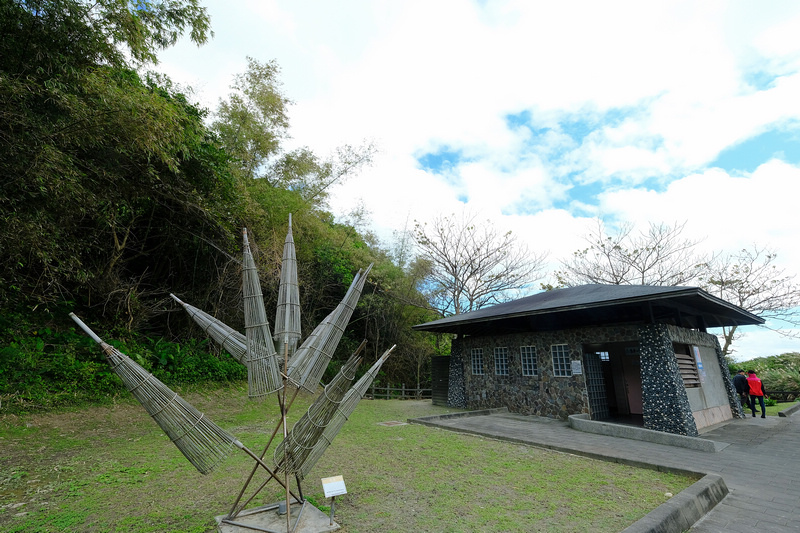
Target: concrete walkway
760 464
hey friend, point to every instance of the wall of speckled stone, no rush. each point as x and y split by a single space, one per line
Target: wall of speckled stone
456 396
665 405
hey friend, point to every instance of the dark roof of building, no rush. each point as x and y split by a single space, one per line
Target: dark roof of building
599 305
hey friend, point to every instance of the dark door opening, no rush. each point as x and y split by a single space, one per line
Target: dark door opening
614 382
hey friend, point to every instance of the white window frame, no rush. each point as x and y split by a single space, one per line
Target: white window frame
562 362
527 356
476 360
501 361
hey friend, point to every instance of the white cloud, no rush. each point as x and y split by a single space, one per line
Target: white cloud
730 212
759 342
661 88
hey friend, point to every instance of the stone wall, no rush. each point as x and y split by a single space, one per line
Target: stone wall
543 394
456 396
664 402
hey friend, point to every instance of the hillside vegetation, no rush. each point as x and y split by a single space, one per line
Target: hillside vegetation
118 190
778 372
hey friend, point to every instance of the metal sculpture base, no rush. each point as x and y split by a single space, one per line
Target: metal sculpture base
267 518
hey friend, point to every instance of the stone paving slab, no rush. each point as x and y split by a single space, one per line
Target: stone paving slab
760 464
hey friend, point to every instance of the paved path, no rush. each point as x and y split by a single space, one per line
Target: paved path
761 465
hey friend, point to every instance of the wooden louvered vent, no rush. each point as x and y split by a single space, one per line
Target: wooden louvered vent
687 366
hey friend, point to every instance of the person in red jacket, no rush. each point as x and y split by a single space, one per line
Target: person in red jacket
757 392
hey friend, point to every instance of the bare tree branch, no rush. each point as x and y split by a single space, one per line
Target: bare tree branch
751 280
660 256
473 265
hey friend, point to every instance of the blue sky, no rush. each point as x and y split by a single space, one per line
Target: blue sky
540 115
781 143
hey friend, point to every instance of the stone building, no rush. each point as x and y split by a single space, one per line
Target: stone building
637 354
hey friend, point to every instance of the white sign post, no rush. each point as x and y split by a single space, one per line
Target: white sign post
333 486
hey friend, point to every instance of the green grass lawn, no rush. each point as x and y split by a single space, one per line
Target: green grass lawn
111 469
773 410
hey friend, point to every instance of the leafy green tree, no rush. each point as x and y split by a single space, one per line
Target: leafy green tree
116 192
102 171
312 177
58 37
253 120
252 124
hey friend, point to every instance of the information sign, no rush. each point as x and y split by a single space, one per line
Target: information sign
333 486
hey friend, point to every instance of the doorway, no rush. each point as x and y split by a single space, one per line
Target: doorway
614 381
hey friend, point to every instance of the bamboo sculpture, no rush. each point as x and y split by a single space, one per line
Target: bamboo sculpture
343 411
311 359
269 371
262 361
202 442
292 452
287 317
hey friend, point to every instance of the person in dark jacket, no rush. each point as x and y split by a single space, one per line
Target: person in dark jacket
742 388
757 392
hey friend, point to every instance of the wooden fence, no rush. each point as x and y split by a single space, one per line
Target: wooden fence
784 395
402 393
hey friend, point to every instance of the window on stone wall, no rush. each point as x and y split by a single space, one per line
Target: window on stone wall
527 355
687 365
562 366
477 361
501 361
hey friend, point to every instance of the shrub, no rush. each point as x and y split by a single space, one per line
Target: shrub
42 368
